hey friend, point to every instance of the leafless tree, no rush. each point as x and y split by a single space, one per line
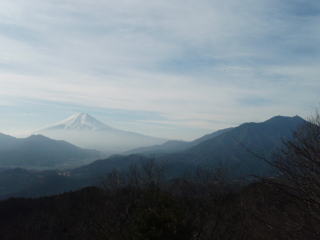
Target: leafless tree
299 166
298 181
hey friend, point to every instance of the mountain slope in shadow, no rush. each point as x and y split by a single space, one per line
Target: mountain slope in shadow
237 149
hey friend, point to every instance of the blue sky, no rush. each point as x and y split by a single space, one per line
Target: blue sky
170 68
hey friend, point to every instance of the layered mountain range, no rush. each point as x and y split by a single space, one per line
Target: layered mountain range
235 150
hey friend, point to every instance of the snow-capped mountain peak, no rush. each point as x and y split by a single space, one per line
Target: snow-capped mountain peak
85 131
79 121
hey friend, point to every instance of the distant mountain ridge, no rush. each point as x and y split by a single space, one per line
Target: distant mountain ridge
233 150
38 151
174 146
86 131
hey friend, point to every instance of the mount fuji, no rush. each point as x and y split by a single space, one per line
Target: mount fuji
79 122
85 131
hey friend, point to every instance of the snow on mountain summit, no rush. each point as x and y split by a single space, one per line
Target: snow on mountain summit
79 121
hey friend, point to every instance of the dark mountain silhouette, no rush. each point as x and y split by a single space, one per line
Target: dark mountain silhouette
38 151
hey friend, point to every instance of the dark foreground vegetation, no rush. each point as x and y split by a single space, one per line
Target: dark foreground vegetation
180 210
142 204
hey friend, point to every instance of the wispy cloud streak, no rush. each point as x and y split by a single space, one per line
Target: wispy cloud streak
205 64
